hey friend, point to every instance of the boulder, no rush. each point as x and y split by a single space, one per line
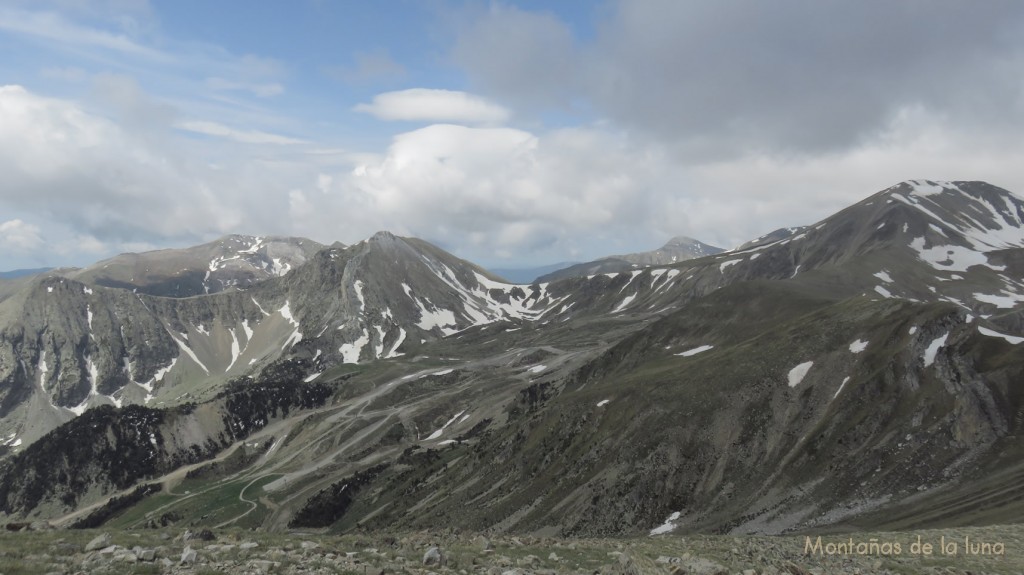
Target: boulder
188 556
99 542
433 556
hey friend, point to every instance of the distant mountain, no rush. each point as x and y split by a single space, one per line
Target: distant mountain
678 249
231 262
861 372
12 274
529 275
771 237
67 346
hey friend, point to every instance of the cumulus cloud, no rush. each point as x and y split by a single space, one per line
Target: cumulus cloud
494 193
490 194
86 175
422 104
18 236
719 121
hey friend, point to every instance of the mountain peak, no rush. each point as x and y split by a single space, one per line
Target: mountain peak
681 241
383 235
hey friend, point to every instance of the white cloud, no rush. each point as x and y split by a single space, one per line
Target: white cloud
54 28
264 90
244 136
80 175
491 191
422 104
18 236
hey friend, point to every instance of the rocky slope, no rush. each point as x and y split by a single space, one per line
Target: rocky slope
780 386
231 262
677 249
66 346
440 551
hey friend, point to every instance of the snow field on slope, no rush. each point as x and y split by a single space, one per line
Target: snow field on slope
695 351
858 346
797 374
933 349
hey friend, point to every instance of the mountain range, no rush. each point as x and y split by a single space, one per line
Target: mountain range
859 372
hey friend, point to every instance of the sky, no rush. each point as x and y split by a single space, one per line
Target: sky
513 134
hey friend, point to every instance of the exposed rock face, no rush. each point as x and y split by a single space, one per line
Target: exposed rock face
110 449
862 363
66 346
231 262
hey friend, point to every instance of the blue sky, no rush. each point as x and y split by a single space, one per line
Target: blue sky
511 133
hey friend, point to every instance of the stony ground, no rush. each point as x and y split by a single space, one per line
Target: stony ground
989 550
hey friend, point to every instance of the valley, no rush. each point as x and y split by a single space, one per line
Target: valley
855 375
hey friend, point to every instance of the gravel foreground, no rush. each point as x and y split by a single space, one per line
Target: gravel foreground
977 551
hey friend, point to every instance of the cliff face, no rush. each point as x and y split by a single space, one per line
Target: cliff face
108 449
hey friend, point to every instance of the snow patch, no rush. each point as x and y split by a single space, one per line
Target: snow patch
393 352
537 368
797 374
235 350
254 247
279 268
258 305
884 276
358 287
350 351
438 433
625 302
668 526
296 336
950 258
1007 301
858 346
933 349
845 379
695 351
42 369
440 318
603 402
924 188
188 351
1009 338
725 264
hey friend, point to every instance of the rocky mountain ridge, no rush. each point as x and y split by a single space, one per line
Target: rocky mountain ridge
677 249
614 403
231 262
